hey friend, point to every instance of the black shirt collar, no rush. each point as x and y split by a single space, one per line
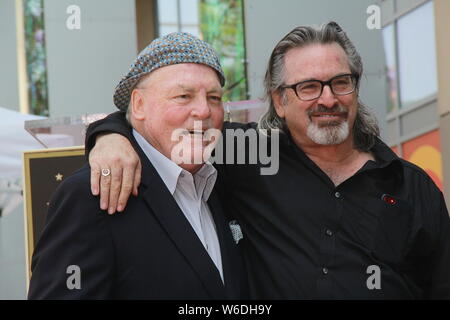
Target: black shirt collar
384 156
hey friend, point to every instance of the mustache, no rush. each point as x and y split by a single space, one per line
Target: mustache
199 125
322 109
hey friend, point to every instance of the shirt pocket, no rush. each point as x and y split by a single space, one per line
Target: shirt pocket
393 229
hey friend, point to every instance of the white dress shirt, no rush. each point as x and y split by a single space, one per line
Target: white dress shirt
191 192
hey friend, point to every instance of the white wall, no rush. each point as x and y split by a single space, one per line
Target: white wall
12 245
12 255
9 92
267 21
85 65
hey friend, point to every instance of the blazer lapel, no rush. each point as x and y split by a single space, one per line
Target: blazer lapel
172 219
224 238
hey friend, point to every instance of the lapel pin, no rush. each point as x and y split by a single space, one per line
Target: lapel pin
388 199
236 231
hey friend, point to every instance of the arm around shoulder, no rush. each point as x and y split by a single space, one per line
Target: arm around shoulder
113 123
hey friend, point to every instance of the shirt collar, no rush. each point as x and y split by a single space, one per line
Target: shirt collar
168 170
385 157
208 173
383 154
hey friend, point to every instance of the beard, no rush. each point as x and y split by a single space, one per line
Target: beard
333 133
329 132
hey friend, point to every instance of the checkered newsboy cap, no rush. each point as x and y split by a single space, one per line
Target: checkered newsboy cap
174 48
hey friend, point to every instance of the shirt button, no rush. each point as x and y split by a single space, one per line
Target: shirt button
329 232
182 174
325 270
337 195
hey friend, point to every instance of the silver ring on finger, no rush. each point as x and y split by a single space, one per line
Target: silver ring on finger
106 172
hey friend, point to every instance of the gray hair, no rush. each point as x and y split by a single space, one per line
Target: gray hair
142 81
128 113
366 128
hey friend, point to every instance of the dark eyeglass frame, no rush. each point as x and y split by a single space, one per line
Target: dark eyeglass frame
353 77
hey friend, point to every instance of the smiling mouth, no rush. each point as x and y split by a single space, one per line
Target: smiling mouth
196 132
329 115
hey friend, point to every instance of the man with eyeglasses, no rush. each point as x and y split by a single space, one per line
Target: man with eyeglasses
344 217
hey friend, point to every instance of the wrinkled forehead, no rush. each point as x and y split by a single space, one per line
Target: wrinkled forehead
315 61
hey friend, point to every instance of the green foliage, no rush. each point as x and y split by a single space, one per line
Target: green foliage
35 56
221 24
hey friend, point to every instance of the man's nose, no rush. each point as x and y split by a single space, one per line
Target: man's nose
201 109
327 98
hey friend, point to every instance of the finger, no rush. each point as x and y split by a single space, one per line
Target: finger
105 184
137 178
95 179
127 186
116 182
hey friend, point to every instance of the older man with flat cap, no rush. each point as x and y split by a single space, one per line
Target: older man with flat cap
174 241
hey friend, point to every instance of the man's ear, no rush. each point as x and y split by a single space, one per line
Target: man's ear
277 99
137 104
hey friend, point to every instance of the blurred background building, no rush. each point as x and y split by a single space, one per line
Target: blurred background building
65 57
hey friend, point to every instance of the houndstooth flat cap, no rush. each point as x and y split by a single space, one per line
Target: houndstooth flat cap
174 48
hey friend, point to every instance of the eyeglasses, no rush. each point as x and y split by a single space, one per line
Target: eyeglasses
312 89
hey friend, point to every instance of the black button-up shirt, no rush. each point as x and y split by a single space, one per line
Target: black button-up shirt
384 233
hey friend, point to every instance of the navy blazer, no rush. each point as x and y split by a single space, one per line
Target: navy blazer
149 251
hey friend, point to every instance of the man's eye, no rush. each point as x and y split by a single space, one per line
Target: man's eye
308 87
216 98
182 97
341 82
